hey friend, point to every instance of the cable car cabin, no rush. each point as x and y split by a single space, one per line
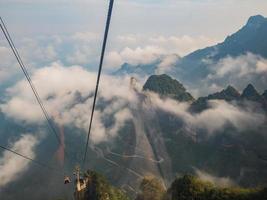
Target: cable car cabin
66 180
80 184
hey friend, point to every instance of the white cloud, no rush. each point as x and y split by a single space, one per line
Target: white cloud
212 119
128 39
7 64
222 113
218 181
241 66
145 49
182 45
261 66
120 118
80 55
50 52
85 36
83 48
167 63
114 60
135 56
35 51
11 165
141 55
239 71
65 94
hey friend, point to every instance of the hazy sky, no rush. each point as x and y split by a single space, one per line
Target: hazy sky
71 30
213 18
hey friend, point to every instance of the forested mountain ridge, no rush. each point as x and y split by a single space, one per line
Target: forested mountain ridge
187 187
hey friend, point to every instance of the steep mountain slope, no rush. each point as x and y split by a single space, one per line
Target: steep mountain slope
169 146
250 38
149 154
232 152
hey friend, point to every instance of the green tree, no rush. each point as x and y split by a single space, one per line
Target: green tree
192 188
151 189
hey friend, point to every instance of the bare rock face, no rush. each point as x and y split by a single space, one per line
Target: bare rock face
150 156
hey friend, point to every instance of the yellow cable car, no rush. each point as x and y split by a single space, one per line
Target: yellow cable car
67 180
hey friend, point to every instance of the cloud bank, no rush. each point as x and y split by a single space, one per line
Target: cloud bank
68 96
11 165
239 71
212 119
83 48
218 181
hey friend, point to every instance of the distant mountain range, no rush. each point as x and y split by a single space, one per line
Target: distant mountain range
250 38
196 67
141 69
231 94
167 87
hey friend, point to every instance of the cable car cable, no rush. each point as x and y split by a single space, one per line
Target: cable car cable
28 78
98 76
32 160
18 58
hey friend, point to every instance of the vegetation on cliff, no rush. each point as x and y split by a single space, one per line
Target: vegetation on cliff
98 188
151 188
192 188
165 86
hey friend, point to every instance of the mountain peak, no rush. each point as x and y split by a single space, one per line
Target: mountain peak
228 94
256 20
250 93
230 90
250 88
165 86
